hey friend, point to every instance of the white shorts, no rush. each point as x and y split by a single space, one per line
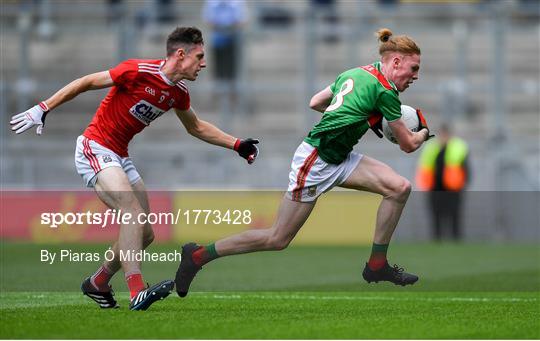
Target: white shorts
310 176
91 158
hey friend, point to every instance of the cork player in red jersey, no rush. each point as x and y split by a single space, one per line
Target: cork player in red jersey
141 91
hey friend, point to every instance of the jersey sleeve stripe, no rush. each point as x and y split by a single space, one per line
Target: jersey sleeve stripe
148 69
148 64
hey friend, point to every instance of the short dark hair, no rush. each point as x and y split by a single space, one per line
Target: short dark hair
183 36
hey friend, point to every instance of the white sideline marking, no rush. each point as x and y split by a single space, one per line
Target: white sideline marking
369 298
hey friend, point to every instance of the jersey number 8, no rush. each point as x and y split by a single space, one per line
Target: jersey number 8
346 88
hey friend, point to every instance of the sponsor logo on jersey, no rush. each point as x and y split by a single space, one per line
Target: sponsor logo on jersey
145 112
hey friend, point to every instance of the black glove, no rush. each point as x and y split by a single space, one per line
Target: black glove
247 149
375 123
422 124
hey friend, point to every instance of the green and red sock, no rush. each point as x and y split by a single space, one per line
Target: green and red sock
204 254
377 260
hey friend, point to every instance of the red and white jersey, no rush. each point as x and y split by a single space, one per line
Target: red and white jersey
141 93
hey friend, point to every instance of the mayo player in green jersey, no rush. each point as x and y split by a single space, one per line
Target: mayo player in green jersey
354 103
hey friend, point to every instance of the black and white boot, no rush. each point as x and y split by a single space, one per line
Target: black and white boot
105 299
144 299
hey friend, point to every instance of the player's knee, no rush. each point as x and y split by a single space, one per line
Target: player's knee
403 190
400 190
277 243
136 212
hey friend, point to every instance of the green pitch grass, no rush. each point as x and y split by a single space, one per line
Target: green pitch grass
465 291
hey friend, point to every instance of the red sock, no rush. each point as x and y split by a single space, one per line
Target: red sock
204 254
376 263
135 283
199 256
378 256
100 279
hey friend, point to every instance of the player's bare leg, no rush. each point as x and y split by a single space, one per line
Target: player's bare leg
110 186
114 190
97 286
290 218
148 233
376 177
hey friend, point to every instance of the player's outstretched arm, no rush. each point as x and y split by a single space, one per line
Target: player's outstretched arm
408 141
321 100
94 81
210 133
36 115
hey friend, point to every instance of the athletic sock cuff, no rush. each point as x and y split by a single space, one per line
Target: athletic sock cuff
212 253
131 273
107 270
379 248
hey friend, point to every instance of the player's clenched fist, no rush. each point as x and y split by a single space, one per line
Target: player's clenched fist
31 117
422 123
247 149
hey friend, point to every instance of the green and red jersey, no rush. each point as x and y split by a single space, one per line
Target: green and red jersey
358 94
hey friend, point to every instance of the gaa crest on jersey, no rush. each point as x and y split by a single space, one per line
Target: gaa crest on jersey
145 112
150 91
312 191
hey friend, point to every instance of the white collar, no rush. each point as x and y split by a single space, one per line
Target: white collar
167 80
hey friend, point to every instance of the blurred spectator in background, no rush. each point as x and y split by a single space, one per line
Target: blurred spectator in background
36 14
326 10
388 3
46 29
151 14
226 19
443 169
166 13
115 10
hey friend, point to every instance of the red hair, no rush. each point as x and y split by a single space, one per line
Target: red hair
390 43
